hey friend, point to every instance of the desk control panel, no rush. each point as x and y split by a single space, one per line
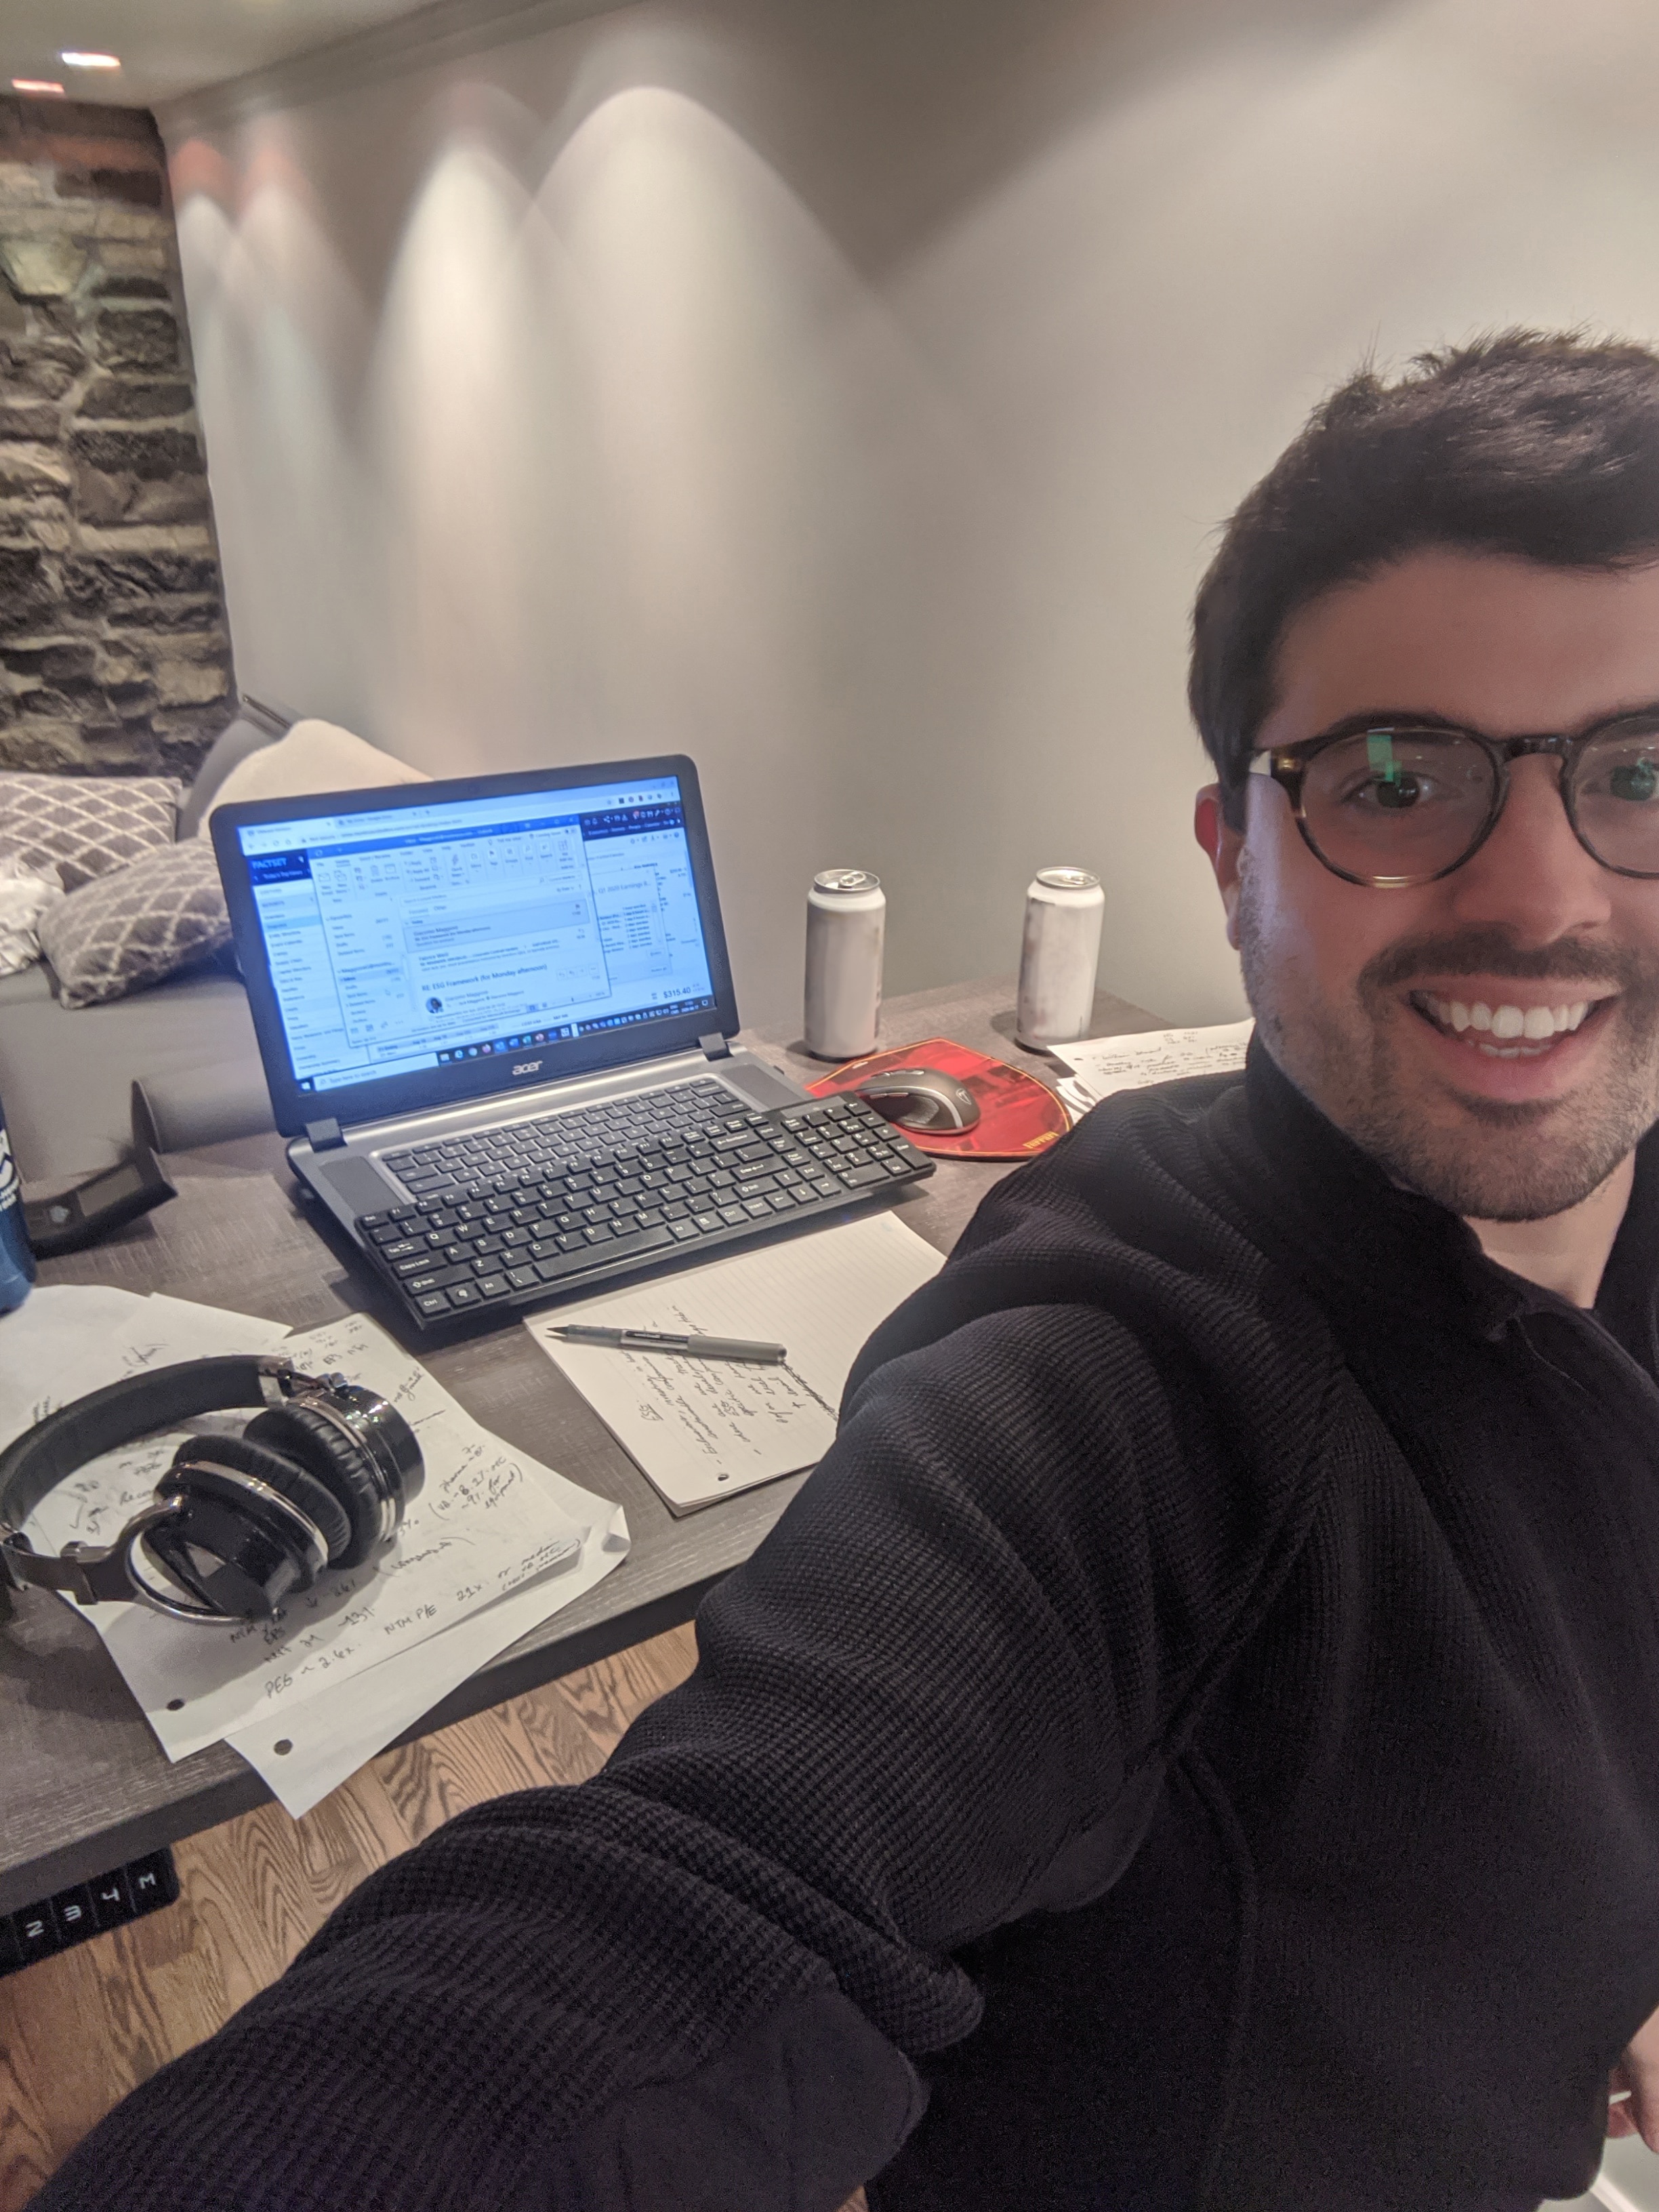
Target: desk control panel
128 1892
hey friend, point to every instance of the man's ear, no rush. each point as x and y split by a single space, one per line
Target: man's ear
1224 847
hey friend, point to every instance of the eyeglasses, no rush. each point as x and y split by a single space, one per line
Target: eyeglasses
1408 803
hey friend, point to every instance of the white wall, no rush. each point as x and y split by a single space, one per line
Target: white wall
846 392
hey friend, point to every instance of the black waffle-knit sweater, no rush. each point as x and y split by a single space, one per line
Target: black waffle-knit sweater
1195 1742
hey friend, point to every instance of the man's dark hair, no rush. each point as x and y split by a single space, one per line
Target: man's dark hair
1538 445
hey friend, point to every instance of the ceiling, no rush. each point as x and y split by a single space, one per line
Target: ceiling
169 47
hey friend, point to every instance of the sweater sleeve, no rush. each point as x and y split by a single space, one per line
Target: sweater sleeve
933 1700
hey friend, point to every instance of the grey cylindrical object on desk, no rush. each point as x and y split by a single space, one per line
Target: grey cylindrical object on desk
1060 958
846 935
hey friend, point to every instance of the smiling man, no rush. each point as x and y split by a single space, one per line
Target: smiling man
1193 1744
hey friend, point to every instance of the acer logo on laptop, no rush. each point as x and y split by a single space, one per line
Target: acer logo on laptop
527 1066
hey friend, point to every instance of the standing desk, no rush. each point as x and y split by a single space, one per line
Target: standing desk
83 1784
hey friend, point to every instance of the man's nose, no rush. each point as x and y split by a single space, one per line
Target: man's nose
1532 877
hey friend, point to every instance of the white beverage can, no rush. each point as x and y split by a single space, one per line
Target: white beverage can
846 930
1060 957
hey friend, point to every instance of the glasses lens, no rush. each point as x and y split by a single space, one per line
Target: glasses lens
1398 806
1615 795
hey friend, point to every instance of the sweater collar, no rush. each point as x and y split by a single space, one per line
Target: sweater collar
1328 1215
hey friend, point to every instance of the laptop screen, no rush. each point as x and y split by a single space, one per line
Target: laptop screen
463 924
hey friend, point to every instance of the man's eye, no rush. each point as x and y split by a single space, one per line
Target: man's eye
1634 780
1392 793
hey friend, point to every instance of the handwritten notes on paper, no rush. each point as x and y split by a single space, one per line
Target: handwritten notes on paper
701 1429
1103 1065
480 1550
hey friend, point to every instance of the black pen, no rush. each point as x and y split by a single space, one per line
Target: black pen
694 1348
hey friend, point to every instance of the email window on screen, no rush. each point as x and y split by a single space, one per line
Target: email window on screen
397 943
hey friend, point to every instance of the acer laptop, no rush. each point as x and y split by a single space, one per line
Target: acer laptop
494 1015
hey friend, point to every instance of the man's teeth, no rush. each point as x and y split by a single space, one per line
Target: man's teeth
1533 1023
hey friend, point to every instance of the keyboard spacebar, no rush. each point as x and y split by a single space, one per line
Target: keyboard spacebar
597 1255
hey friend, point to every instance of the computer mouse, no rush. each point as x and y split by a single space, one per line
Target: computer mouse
920 1098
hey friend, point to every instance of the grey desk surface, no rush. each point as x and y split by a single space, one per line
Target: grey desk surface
83 1784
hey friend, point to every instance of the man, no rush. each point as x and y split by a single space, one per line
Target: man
1195 1743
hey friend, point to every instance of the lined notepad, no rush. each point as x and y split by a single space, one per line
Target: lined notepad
702 1429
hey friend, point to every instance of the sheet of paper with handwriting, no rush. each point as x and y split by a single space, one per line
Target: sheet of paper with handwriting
702 1429
490 1524
1103 1065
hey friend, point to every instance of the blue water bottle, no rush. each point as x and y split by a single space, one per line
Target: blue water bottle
16 1255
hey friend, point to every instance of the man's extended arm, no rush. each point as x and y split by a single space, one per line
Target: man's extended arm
935 1700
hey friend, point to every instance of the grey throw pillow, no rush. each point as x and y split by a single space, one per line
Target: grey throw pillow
161 912
85 825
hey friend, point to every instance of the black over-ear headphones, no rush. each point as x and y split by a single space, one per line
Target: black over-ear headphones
321 1479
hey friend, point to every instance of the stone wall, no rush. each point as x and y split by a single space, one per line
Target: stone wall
114 654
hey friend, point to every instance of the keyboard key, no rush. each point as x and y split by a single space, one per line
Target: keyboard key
403 1247
755 1208
857 1178
522 1278
72 1910
37 1936
464 1294
686 1232
638 1240
491 1286
112 1901
598 1234
153 1880
565 1263
782 1202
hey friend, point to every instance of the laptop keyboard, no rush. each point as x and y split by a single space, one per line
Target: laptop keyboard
513 1216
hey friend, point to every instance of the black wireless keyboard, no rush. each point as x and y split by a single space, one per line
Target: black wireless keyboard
519 1215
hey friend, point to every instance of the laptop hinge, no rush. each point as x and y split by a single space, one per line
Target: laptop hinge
714 1046
324 1136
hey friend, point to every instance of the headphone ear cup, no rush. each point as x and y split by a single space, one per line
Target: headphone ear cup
279 1471
320 1448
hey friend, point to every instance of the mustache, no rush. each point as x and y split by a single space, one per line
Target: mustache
1490 951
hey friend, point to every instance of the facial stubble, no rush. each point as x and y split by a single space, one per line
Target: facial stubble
1485 1159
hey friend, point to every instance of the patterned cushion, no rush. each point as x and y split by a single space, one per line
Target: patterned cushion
137 925
85 825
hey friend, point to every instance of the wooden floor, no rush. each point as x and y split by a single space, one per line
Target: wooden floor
79 2031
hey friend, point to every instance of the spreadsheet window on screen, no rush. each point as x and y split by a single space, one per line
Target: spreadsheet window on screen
412 937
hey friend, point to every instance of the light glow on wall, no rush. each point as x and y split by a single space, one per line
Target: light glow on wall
856 415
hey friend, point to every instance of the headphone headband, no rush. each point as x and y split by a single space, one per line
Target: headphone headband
42 1457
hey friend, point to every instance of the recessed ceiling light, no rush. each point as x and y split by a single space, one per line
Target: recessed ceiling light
36 84
90 61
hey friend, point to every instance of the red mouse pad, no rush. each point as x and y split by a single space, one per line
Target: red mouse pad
1018 1116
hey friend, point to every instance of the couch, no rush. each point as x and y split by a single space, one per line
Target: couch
66 1074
